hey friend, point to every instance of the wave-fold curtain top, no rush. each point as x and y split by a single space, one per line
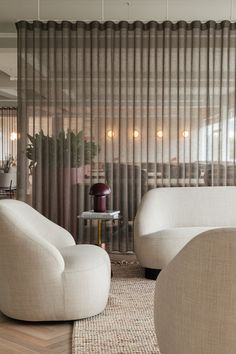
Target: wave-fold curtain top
135 105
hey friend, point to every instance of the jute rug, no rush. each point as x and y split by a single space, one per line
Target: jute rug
126 325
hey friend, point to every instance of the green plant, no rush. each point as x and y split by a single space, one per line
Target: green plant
67 149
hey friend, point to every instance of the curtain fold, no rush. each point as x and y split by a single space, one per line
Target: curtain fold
135 105
8 135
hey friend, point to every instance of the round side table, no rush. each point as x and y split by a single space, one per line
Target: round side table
100 217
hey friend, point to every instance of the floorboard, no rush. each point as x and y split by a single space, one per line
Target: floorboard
18 337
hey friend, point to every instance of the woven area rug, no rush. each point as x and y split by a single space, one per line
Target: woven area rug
126 325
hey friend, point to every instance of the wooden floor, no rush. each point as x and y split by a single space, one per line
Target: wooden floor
18 337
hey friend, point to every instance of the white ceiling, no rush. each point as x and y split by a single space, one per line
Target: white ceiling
12 11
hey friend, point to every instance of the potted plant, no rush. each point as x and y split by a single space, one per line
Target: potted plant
69 151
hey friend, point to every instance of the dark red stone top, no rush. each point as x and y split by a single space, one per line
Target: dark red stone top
100 189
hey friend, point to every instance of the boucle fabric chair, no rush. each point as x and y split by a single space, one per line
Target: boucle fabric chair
168 218
195 297
44 276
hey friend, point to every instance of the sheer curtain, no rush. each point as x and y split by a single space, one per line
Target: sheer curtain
135 105
8 135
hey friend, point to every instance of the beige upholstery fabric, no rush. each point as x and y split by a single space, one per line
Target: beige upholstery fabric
43 274
195 297
168 218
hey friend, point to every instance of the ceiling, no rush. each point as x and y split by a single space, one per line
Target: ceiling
12 11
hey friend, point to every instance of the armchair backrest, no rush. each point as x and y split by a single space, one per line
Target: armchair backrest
39 227
163 208
29 253
195 297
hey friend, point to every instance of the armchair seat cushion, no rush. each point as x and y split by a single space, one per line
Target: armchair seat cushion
162 246
84 258
86 280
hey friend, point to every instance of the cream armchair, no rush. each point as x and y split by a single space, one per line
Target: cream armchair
44 276
168 218
195 297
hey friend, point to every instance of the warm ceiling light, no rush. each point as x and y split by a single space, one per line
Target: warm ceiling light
160 133
110 134
13 136
135 134
185 134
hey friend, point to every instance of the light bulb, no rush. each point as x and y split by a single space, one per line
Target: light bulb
13 136
110 134
135 134
185 134
160 133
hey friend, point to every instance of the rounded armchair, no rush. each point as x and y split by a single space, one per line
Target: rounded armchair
168 218
44 276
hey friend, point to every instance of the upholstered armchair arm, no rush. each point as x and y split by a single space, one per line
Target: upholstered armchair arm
195 297
86 279
32 269
148 217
